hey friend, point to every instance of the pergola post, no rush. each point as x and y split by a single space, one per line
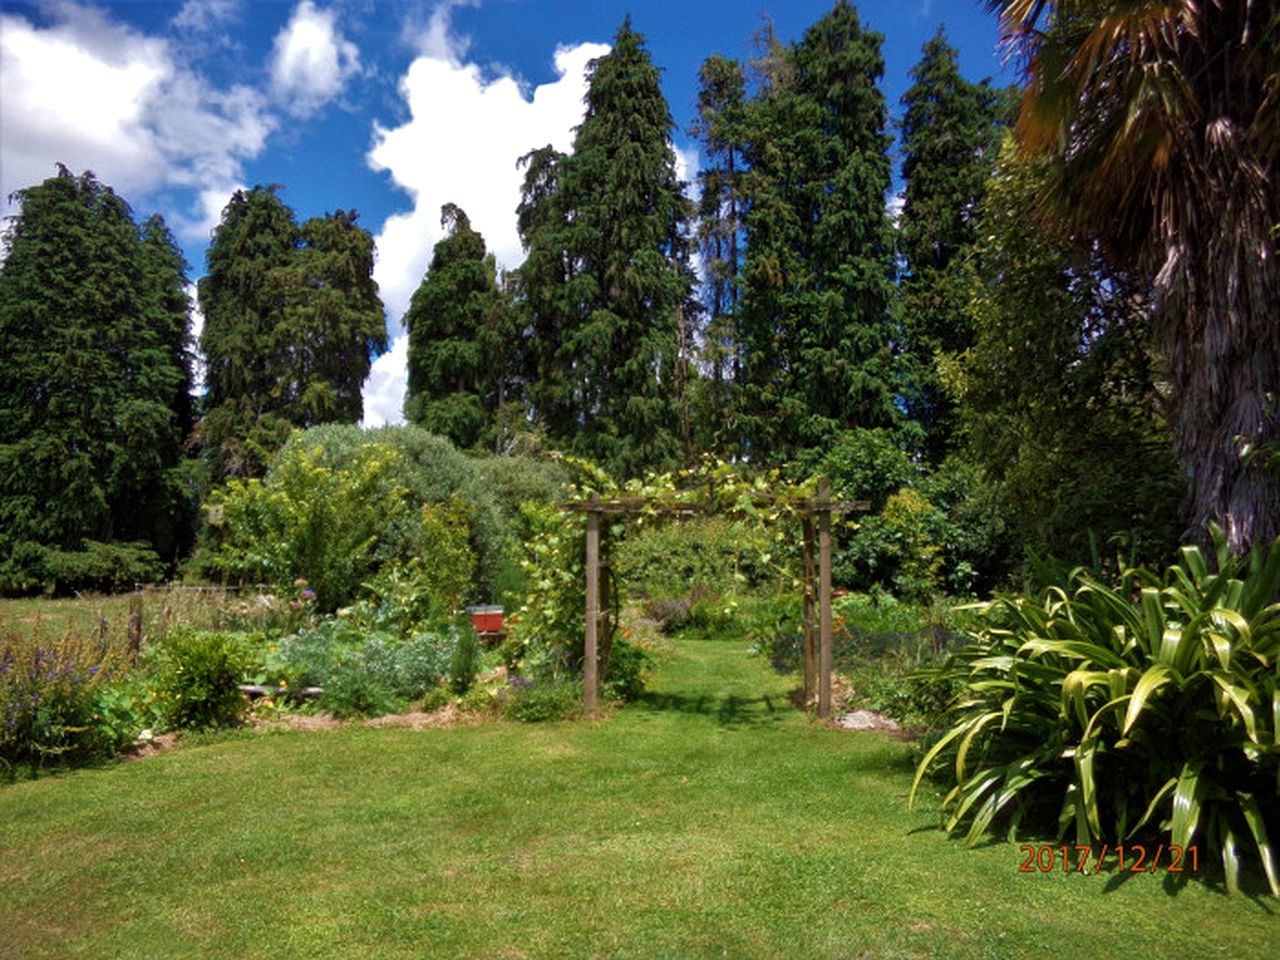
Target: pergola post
809 623
590 700
825 665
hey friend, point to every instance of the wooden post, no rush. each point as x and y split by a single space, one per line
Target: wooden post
135 626
589 692
810 622
824 598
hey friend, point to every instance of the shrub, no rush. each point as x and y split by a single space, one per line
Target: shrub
431 471
49 700
308 520
1148 710
199 679
464 662
534 702
628 664
107 567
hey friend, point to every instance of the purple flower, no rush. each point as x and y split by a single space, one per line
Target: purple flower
309 594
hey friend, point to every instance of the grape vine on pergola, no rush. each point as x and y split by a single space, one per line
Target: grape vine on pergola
814 514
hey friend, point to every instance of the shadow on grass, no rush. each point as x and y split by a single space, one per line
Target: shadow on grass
728 711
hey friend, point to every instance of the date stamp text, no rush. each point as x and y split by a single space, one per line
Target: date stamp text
1124 858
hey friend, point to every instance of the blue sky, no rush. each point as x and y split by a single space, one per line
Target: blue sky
390 108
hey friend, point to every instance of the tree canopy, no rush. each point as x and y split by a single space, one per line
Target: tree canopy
94 404
292 322
815 288
607 279
461 340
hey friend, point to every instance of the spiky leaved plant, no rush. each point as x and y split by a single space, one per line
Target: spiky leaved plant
1148 710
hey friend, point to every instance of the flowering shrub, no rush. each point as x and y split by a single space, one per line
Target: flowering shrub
48 699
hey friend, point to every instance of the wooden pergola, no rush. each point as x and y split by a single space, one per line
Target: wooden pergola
815 517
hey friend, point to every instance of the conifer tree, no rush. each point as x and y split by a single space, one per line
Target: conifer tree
950 131
721 130
292 320
460 340
606 277
93 405
815 282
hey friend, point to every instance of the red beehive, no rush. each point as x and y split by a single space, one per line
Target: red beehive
486 619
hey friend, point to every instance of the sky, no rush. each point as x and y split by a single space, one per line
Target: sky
389 108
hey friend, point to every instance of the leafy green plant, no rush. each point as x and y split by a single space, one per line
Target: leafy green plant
330 652
628 665
128 708
712 553
199 678
1148 709
358 693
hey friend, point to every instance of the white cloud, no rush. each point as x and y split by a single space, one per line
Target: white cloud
385 388
688 162
893 207
197 327
95 94
311 61
205 16
438 41
466 131
460 146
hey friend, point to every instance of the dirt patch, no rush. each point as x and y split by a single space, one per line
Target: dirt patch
149 748
447 716
867 720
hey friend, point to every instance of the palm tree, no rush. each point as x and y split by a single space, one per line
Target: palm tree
1162 118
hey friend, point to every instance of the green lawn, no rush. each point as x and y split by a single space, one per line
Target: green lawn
709 820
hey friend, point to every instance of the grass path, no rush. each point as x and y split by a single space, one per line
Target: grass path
709 820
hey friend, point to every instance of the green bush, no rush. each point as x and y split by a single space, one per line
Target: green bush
1152 709
513 480
49 700
535 702
199 677
338 504
307 520
105 567
628 665
431 471
672 558
358 693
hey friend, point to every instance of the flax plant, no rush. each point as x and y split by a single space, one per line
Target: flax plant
1146 711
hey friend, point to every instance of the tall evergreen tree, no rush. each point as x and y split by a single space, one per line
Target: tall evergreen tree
461 339
815 282
720 127
292 320
950 131
607 275
93 405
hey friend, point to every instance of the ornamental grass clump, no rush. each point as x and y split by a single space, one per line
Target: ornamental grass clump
1145 713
